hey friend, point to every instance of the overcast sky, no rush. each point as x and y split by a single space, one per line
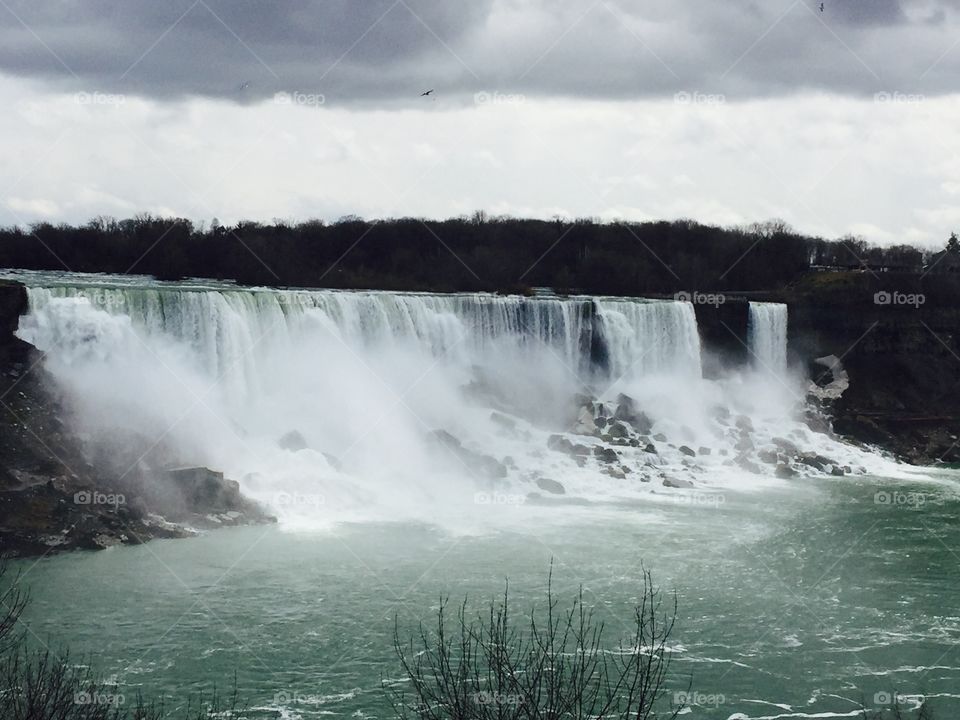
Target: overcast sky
840 121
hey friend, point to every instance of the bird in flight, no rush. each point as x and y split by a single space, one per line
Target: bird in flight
424 94
821 7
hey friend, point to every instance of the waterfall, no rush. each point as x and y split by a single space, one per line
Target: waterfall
767 337
205 373
228 329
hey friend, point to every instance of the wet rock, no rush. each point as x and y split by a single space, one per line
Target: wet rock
678 483
660 437
618 430
747 464
293 441
585 424
770 457
614 472
720 413
688 451
482 465
605 454
627 411
785 446
507 423
564 445
333 461
837 471
784 471
744 423
704 450
551 486
651 448
815 461
744 444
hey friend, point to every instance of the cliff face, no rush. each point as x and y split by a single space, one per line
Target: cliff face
898 337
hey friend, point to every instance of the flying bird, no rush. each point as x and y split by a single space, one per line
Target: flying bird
428 92
821 7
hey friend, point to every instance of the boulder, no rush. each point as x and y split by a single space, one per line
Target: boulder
564 445
785 446
550 486
605 454
747 464
704 450
816 461
482 465
688 451
768 456
585 424
651 448
784 471
628 412
293 441
618 430
678 483
744 423
333 461
660 437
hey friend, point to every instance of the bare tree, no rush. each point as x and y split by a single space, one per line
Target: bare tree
554 665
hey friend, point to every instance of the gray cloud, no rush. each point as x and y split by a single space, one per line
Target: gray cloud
387 51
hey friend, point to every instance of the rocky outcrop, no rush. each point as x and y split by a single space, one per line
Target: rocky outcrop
479 465
898 338
52 499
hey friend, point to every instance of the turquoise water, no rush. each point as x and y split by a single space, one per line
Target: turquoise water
796 600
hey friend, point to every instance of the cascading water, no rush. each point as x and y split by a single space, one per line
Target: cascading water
767 333
164 373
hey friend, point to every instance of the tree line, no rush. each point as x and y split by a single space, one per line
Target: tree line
461 254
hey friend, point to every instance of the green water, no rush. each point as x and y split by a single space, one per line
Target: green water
793 602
